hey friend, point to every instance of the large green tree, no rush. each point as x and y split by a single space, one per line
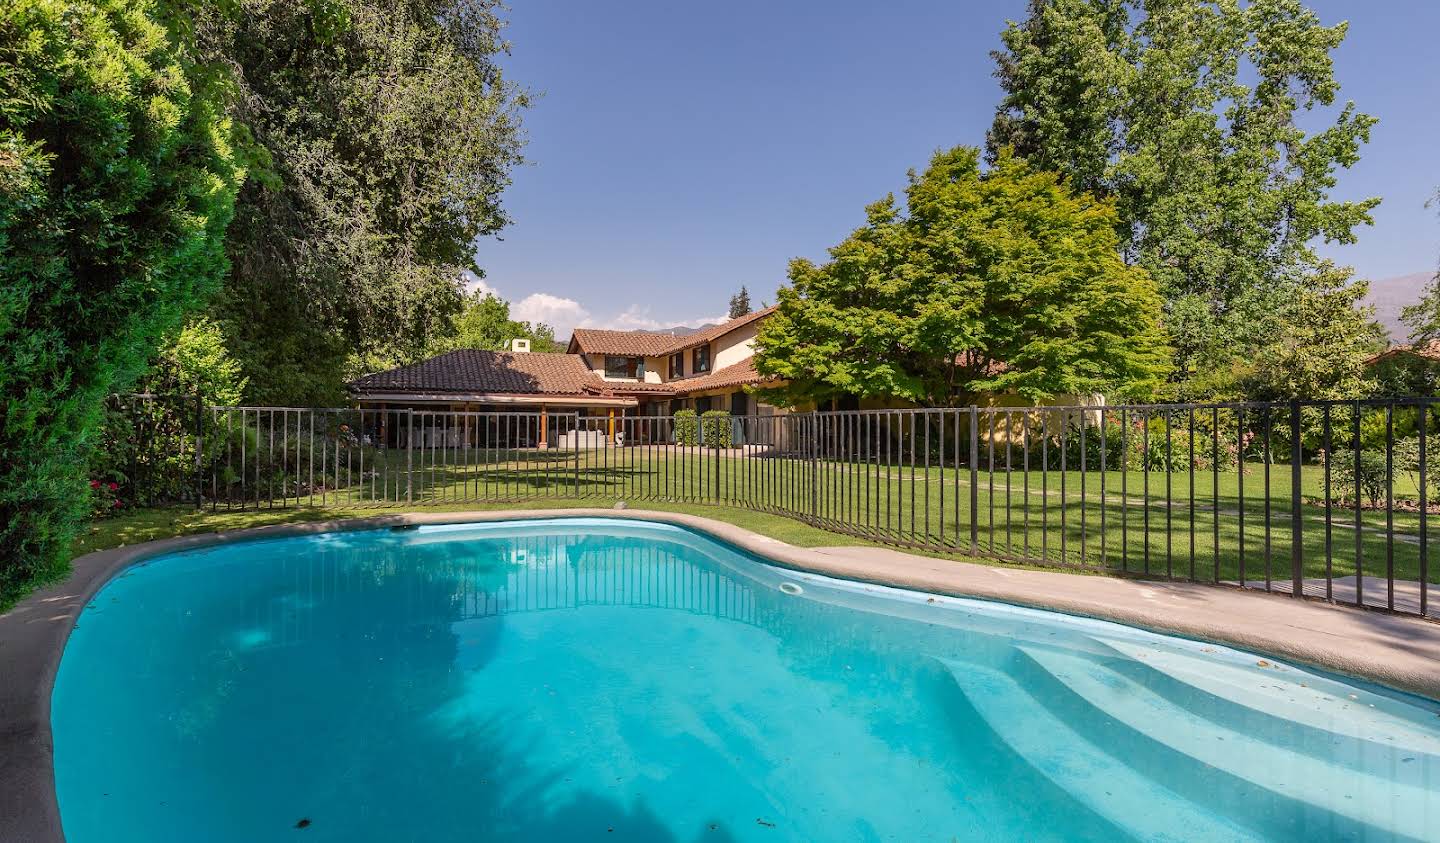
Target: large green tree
1188 114
117 180
999 280
484 323
389 132
1321 338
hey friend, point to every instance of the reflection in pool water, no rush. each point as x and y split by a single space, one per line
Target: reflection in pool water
577 679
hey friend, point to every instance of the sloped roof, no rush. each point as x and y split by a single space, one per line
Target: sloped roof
737 374
646 344
470 371
1429 351
629 343
716 331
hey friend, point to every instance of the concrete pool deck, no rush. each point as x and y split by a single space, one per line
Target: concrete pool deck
1392 650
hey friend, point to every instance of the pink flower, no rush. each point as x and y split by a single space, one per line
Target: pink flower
117 503
114 486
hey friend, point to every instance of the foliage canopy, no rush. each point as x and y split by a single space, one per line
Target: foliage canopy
117 179
387 132
1185 112
987 281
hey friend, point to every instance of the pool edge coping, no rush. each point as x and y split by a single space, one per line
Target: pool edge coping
1394 651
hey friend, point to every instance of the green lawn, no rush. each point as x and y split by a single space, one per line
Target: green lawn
1057 517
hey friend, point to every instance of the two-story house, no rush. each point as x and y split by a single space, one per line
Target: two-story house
603 373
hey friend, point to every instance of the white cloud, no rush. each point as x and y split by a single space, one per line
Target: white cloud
566 314
474 283
562 314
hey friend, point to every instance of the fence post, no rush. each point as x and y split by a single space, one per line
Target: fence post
575 438
199 447
812 448
974 480
409 454
1297 528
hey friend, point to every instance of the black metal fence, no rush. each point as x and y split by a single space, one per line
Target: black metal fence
1322 499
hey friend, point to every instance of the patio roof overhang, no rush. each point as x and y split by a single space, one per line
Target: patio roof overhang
495 398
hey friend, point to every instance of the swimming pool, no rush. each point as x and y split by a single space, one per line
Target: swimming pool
576 679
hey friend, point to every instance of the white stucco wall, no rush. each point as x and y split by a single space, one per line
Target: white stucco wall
734 346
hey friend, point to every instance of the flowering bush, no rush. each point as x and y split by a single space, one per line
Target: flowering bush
104 498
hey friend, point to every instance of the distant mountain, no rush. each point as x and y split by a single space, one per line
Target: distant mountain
678 330
1391 295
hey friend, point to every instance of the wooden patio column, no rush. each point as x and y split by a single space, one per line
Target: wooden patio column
612 424
543 427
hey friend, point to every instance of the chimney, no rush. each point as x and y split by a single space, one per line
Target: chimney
520 346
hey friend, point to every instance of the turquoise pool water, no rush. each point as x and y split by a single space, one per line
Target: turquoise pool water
593 679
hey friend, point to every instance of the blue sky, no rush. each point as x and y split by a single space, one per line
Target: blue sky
680 149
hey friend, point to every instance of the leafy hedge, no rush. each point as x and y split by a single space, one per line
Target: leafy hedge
687 428
717 428
116 184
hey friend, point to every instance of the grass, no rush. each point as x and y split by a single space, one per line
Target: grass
1030 517
1048 516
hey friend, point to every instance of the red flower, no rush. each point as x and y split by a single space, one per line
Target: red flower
94 484
114 486
117 502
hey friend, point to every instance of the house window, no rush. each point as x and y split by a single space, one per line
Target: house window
624 367
677 365
701 359
704 404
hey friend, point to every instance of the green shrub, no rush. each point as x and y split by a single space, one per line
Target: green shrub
1371 470
116 185
687 428
717 428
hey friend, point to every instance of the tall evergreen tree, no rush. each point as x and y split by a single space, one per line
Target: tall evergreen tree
1185 113
117 179
740 303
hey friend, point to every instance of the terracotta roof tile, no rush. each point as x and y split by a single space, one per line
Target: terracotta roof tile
738 374
1429 351
469 371
717 331
644 343
632 343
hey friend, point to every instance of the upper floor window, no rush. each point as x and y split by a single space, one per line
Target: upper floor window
701 359
624 367
677 365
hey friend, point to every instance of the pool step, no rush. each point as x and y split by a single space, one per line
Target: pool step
1105 785
1291 794
1289 706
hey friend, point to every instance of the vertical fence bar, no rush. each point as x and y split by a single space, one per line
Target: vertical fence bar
1215 491
1084 501
1390 505
1359 522
1169 497
1297 523
1124 490
1240 487
199 449
1045 486
1025 467
1269 458
1190 470
409 456
1423 408
1329 526
1145 462
974 480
